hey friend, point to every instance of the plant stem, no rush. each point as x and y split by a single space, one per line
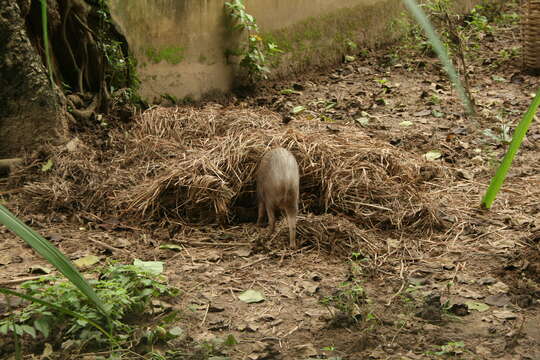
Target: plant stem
45 30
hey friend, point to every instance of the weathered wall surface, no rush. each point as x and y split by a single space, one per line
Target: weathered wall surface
180 44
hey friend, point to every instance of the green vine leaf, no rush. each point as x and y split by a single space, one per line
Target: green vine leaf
256 51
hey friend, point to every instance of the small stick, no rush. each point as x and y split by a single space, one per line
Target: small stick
205 314
253 263
107 246
213 244
12 191
404 281
16 281
290 332
489 233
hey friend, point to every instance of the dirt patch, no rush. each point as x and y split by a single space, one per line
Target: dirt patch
522 273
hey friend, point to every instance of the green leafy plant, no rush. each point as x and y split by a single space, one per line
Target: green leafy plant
493 11
506 55
73 310
347 298
254 54
351 45
502 135
460 34
120 67
57 259
451 348
10 325
509 18
351 297
434 99
125 290
351 48
478 22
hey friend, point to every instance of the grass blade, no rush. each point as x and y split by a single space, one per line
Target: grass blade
502 171
51 254
439 48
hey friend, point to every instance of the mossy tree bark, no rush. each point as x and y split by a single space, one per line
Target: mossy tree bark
32 113
88 56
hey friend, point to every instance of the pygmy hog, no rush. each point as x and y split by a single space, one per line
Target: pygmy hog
278 188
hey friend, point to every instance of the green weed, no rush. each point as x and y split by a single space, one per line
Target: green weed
453 348
126 292
351 298
120 67
256 50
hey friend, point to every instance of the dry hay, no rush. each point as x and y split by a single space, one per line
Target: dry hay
217 154
196 165
78 180
338 235
335 235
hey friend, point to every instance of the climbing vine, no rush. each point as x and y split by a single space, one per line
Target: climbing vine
255 51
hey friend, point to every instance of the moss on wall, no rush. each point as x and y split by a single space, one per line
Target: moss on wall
325 39
171 54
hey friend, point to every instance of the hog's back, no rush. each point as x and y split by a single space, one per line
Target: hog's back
278 179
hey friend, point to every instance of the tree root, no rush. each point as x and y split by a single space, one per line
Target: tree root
67 12
82 61
84 115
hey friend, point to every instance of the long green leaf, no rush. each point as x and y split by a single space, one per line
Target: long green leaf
51 254
59 308
422 19
517 139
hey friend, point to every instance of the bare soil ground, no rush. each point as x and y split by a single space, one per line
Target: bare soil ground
425 288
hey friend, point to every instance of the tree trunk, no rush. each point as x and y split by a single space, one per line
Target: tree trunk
32 112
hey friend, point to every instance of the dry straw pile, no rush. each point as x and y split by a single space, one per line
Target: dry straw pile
195 165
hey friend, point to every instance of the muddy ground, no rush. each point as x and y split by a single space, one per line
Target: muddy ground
426 295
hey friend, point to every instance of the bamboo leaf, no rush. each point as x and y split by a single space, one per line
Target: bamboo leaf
517 139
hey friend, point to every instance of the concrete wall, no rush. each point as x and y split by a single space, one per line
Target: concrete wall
180 44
